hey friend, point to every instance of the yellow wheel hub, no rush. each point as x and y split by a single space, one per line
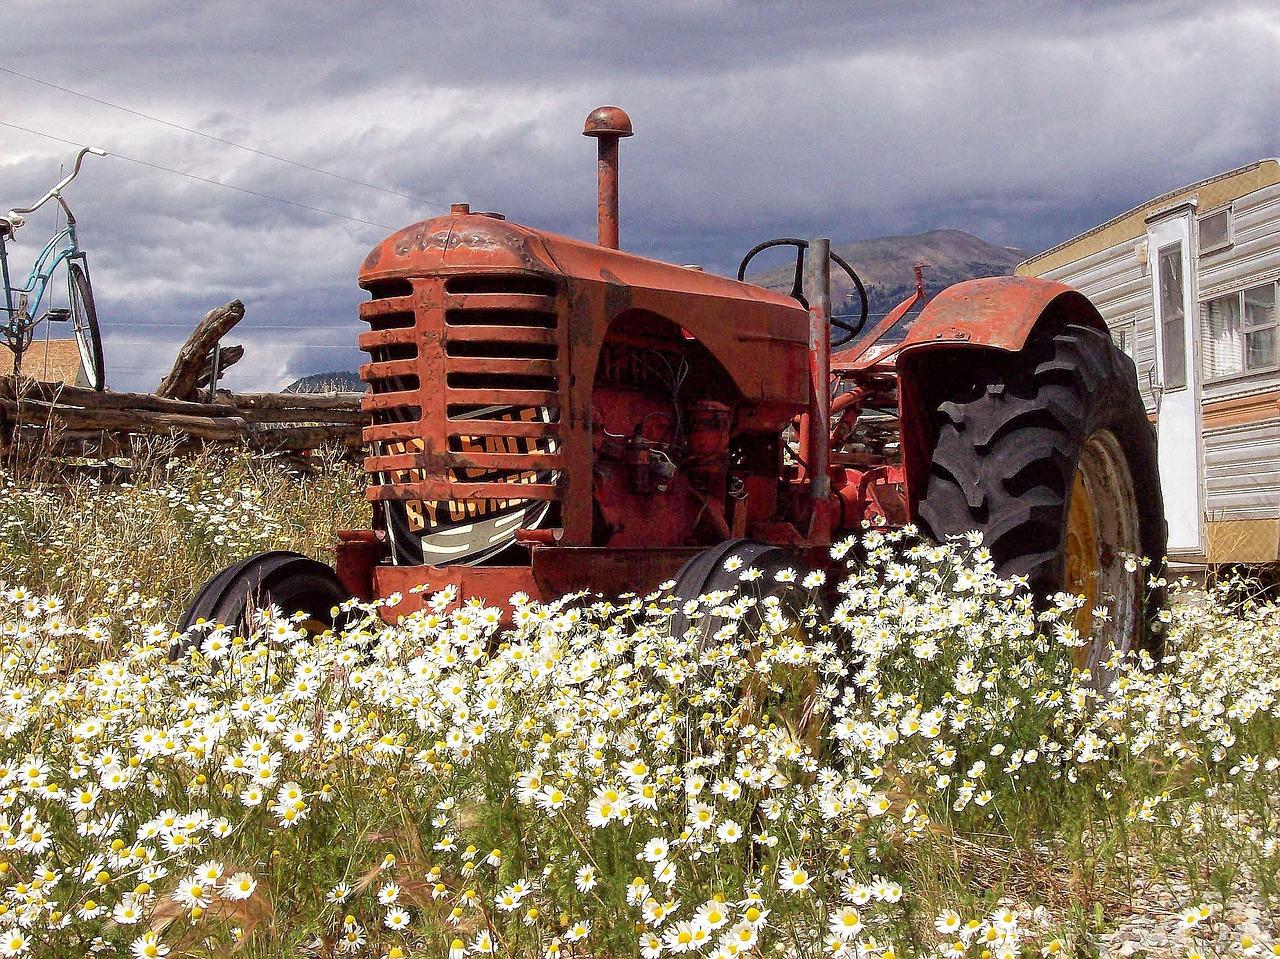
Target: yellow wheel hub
1084 561
1102 543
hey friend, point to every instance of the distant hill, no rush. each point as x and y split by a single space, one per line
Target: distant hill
339 381
884 265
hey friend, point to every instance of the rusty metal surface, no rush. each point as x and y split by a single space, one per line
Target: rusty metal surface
355 555
877 493
609 570
430 454
494 583
553 571
425 247
474 244
607 121
997 311
607 192
607 125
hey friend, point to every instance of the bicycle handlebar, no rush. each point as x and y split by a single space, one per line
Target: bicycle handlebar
75 170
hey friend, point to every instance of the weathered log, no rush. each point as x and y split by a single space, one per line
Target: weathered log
321 417
27 389
38 413
229 356
298 401
302 437
103 443
260 407
180 383
67 419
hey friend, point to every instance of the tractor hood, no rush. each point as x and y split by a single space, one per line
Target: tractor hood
467 242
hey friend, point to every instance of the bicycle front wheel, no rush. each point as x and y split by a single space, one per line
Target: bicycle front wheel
84 320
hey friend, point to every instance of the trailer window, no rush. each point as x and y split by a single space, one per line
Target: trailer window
1122 334
1220 337
1260 327
1173 332
1238 332
1215 231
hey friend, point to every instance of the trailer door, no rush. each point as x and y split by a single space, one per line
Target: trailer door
1177 379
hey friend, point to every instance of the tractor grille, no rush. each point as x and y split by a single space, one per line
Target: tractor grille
465 381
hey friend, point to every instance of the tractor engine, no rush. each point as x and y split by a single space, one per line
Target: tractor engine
661 439
543 408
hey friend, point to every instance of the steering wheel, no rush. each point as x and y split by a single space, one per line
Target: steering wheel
797 286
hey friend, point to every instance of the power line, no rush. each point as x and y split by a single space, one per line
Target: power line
204 179
217 139
250 326
107 334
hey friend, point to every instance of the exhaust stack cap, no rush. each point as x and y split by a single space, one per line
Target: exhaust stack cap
608 125
607 122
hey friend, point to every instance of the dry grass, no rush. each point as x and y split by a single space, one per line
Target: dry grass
165 524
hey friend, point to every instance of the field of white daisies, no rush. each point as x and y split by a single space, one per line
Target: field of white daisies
916 771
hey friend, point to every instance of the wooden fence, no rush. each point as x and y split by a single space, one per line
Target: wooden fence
51 416
39 418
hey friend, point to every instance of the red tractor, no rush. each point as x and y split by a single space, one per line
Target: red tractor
550 415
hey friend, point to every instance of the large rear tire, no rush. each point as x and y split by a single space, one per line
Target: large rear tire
290 581
1049 453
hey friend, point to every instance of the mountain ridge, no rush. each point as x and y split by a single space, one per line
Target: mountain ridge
336 381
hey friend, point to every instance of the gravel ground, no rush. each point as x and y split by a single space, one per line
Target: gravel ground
1243 926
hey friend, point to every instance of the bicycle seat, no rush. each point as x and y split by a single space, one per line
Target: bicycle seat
10 223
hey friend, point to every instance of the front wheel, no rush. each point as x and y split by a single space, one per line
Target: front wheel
787 694
1049 453
290 581
84 321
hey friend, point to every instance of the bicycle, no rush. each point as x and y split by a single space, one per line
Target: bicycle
21 303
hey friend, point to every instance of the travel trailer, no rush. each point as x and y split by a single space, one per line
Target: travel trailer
1187 283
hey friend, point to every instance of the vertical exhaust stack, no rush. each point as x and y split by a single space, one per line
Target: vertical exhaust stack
608 125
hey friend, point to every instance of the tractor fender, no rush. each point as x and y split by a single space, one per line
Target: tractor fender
997 312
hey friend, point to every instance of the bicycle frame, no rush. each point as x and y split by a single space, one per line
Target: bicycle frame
54 254
41 272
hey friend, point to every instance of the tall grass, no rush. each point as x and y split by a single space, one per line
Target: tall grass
151 538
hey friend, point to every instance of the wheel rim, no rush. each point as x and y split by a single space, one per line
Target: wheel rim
1102 537
1083 560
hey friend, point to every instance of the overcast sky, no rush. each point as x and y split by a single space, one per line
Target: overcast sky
1024 123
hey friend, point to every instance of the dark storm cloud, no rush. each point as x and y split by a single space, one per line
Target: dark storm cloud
1023 123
